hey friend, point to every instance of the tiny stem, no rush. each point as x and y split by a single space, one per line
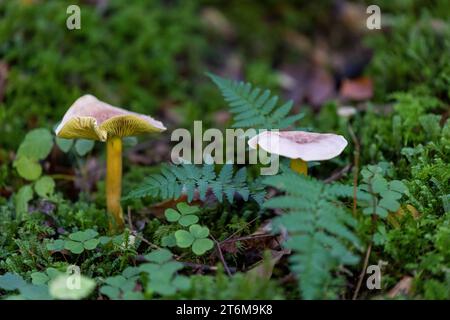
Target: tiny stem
58 176
299 166
114 182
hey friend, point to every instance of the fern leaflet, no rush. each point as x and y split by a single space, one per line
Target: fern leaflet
254 108
174 180
319 229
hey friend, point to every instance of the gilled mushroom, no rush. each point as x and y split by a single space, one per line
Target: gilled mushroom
300 146
90 118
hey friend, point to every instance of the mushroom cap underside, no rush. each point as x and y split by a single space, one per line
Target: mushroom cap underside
308 146
90 118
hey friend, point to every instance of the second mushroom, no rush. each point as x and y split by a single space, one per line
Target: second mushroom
90 118
300 146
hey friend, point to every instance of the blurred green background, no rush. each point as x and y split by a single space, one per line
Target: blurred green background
150 56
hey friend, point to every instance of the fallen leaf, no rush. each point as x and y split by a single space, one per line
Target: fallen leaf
402 288
216 21
4 69
307 83
357 89
159 208
264 268
353 16
321 87
298 41
413 211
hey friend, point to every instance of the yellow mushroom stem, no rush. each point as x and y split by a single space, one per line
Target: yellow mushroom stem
114 182
299 166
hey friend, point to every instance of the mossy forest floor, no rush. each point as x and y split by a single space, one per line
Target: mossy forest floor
225 231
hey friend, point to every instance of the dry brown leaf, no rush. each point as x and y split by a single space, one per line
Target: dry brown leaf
353 16
4 69
413 211
403 287
320 88
264 268
357 89
159 208
216 21
298 41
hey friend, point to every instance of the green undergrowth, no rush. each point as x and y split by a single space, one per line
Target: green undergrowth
222 231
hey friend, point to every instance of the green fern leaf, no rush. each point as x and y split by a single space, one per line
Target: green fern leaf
320 230
187 178
253 108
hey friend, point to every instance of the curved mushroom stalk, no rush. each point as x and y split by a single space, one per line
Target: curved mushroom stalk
90 118
300 146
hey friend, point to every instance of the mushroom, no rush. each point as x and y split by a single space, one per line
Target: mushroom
90 118
300 146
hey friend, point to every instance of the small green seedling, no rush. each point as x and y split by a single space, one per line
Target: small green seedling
196 237
385 195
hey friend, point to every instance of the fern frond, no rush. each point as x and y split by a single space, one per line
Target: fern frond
254 108
173 181
320 230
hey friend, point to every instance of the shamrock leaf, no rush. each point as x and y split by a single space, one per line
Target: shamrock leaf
10 281
83 146
187 220
184 238
45 187
159 256
185 216
172 215
64 144
200 246
56 245
198 231
74 246
184 208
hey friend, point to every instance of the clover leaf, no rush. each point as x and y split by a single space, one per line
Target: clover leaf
84 146
77 242
385 195
196 237
161 272
42 278
35 147
10 281
45 187
122 286
185 215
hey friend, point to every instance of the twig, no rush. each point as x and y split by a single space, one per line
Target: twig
130 223
363 271
221 256
256 236
203 267
355 167
234 233
337 175
154 246
58 176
